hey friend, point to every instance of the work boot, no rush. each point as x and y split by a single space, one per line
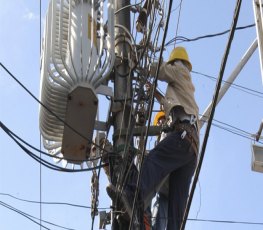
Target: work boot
125 204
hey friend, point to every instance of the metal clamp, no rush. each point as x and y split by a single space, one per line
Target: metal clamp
183 134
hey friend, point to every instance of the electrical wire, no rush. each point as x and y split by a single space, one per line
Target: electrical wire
234 130
22 214
49 203
42 161
200 199
236 86
182 39
219 221
123 176
30 217
178 19
130 125
226 221
209 123
151 107
40 143
36 149
140 87
45 107
93 217
123 8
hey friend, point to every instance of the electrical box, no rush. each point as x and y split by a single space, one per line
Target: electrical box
81 113
257 158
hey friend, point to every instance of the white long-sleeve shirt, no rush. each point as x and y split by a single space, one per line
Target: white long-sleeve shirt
180 89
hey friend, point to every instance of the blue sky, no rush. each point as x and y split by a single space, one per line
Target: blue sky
227 189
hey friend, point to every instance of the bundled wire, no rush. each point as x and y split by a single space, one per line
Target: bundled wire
36 149
138 88
31 218
150 111
40 160
233 85
49 203
181 39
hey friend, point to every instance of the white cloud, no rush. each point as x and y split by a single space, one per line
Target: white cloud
29 15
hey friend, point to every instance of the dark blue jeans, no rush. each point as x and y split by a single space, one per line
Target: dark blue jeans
174 156
160 212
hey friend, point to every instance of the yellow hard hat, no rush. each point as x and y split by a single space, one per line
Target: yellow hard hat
179 53
158 116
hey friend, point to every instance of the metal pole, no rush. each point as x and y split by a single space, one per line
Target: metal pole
230 80
122 87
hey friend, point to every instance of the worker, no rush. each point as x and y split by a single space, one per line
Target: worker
176 154
160 206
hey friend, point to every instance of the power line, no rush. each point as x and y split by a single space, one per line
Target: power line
226 221
49 203
182 39
209 123
40 143
236 86
42 161
221 221
178 19
234 130
150 110
7 130
30 217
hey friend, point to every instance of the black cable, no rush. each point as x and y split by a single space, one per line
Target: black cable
30 217
46 163
231 126
21 213
217 221
125 167
209 123
50 111
96 197
39 150
49 203
151 107
184 39
227 221
36 149
236 86
40 155
178 20
40 183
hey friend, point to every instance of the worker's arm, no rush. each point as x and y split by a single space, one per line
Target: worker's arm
157 94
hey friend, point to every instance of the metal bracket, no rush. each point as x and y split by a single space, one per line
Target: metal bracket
104 219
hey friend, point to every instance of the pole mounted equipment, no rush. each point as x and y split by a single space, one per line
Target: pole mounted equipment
77 58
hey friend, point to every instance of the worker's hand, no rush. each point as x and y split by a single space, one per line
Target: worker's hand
148 86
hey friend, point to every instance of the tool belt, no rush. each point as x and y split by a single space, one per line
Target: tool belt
191 133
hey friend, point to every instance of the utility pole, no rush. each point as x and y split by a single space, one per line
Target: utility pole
122 92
